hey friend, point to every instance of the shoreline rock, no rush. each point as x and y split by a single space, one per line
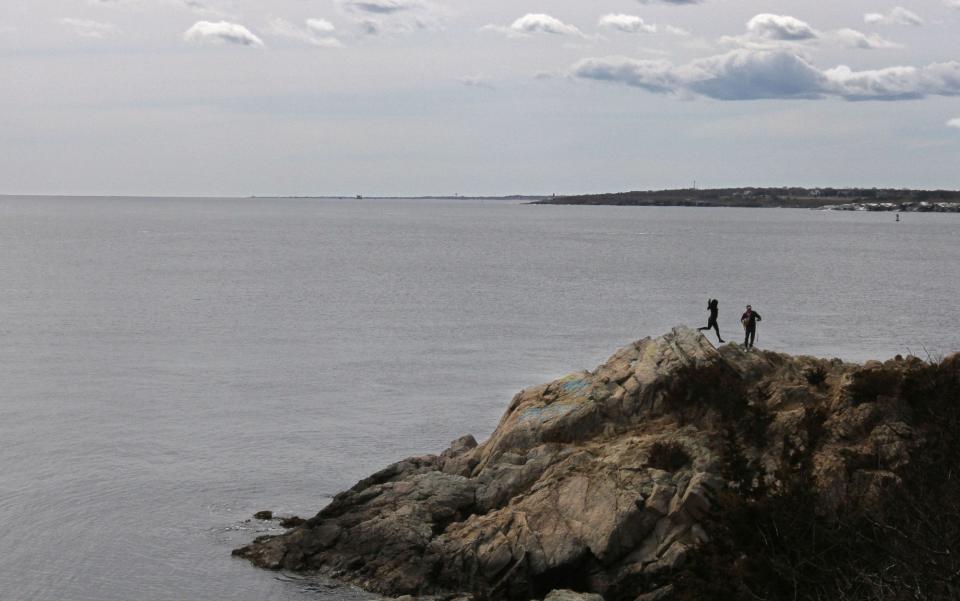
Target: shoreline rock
620 481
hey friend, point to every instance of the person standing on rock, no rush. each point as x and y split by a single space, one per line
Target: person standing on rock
713 306
749 320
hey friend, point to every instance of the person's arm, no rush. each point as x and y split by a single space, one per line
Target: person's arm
758 316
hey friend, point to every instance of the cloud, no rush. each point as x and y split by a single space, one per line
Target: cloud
746 74
316 33
952 3
534 23
222 32
655 76
626 24
955 123
380 7
634 24
752 75
780 27
897 16
320 26
397 26
896 83
767 31
89 29
851 38
376 17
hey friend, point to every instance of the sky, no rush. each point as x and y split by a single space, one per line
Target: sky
475 97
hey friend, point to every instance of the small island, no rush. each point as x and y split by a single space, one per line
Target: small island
838 199
674 471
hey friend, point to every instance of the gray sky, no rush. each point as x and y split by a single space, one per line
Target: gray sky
238 97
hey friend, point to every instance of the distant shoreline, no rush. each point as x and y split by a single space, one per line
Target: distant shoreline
833 199
846 199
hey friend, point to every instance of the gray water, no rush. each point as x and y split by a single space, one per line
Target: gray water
170 366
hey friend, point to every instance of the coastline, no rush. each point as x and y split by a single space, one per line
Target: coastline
648 477
851 199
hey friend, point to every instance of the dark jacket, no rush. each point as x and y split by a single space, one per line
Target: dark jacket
751 318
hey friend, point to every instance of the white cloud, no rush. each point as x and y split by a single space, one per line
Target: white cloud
896 83
955 123
780 27
897 16
541 23
952 3
398 26
222 32
750 75
316 33
655 76
851 38
635 24
89 29
626 24
888 83
376 17
534 23
380 7
320 26
766 74
768 31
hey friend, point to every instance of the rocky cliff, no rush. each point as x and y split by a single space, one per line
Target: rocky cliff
674 470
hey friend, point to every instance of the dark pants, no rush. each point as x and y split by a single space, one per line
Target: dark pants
712 323
748 335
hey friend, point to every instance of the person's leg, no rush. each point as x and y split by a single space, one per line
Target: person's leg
746 338
717 328
753 334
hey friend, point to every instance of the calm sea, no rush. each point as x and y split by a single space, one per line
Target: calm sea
170 366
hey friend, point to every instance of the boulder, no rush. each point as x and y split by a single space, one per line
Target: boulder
609 481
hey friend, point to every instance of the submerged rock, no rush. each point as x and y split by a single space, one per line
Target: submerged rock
618 481
292 521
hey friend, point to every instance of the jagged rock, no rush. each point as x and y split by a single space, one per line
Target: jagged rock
607 481
661 594
263 515
292 521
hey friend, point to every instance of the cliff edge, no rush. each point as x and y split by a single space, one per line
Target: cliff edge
675 470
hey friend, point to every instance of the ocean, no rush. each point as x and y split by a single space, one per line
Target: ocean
168 367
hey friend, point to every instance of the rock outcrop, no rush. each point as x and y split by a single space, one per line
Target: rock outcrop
627 481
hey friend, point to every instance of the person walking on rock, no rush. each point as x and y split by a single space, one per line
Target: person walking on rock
749 320
713 306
